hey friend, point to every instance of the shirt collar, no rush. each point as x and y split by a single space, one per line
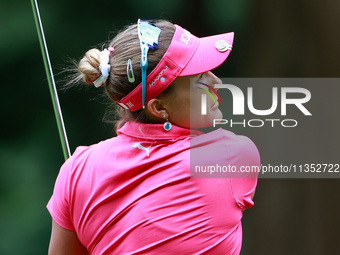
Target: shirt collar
156 131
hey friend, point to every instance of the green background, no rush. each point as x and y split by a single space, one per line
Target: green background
281 38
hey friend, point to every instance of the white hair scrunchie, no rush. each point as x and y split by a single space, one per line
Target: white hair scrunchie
104 67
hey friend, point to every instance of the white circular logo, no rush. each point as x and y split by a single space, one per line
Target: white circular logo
222 46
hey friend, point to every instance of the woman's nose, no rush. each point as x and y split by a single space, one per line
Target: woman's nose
214 79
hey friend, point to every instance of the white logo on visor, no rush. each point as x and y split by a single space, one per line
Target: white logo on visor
130 104
185 37
141 147
159 76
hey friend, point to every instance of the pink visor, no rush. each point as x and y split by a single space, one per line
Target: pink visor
186 55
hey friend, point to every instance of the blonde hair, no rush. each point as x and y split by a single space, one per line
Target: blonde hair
126 46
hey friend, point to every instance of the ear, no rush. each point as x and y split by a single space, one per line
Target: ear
156 108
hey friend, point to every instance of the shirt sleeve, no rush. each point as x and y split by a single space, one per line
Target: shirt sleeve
246 158
59 204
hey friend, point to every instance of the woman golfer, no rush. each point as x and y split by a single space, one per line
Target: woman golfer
134 194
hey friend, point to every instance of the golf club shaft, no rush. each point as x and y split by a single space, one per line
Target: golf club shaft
51 82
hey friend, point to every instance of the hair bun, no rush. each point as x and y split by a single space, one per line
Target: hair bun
89 66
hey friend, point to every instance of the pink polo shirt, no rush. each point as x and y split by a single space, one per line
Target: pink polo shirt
133 194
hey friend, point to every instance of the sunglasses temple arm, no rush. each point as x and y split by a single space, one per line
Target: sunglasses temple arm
144 66
51 82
